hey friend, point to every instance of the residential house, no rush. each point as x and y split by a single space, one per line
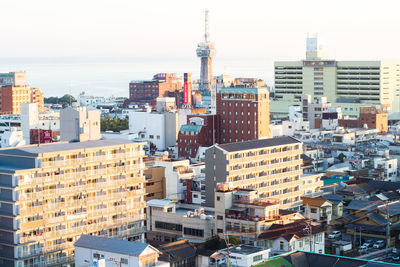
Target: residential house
317 209
289 237
179 253
109 252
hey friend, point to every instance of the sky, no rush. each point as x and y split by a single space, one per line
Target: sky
272 30
98 46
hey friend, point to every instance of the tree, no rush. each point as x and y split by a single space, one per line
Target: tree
113 124
216 243
65 100
341 157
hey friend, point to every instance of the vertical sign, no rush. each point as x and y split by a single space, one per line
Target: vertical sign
187 88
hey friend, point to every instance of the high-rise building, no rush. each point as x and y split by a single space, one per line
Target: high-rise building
53 193
79 124
161 85
11 98
243 114
345 84
206 51
272 166
13 79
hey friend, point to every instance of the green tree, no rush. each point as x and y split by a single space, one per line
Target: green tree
65 100
341 157
113 124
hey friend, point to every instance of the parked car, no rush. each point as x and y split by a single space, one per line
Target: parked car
362 249
368 243
396 257
379 244
335 234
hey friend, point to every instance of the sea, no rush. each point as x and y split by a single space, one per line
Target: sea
106 76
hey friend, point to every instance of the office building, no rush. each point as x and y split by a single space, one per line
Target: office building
200 131
270 166
348 84
54 193
161 85
243 114
79 124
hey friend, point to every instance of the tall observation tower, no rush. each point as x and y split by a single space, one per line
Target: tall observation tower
205 51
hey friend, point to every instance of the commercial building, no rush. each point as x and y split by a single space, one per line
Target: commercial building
270 166
200 130
243 114
348 84
109 252
13 79
168 222
160 86
79 124
53 193
11 98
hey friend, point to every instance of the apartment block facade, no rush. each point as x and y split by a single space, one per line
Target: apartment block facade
272 167
53 193
348 84
243 114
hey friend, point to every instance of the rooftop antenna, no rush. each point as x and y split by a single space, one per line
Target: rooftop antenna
206 33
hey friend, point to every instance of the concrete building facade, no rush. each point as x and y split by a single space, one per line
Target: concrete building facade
348 84
79 124
270 166
53 193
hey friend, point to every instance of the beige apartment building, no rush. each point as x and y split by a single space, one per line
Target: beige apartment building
272 167
53 193
345 84
155 183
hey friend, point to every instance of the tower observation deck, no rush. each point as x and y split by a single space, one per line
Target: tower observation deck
206 51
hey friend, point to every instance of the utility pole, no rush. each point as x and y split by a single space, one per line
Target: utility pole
227 249
387 228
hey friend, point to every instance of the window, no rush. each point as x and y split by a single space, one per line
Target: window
313 210
257 258
168 226
151 136
98 256
219 217
218 198
124 261
281 245
193 232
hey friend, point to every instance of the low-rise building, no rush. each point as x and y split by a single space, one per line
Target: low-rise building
155 183
242 256
101 251
388 168
317 209
295 236
169 221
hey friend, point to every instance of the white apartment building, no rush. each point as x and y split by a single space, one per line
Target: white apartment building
348 84
389 167
159 128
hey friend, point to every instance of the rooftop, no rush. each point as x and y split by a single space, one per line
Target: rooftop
260 143
159 202
314 202
245 250
191 128
35 150
112 245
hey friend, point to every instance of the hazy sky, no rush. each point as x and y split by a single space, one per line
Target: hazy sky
171 29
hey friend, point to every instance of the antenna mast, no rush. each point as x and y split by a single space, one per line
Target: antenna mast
206 33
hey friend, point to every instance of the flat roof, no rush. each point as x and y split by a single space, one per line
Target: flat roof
259 143
246 250
35 150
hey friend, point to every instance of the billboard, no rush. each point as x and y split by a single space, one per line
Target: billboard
187 88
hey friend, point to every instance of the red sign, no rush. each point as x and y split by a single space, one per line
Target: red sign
187 88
